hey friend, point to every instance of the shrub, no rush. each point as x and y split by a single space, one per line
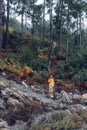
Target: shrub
80 76
34 42
12 56
39 64
26 56
72 68
37 77
15 45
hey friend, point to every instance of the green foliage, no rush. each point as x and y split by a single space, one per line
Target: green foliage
80 76
46 42
44 74
16 40
39 64
3 64
12 56
27 56
33 40
14 24
37 77
60 72
62 122
15 45
75 67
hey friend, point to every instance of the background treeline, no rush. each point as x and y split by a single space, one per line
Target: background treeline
41 43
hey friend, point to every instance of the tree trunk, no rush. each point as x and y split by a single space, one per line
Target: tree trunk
7 25
77 33
32 31
51 2
80 41
67 46
60 22
43 21
22 17
1 2
51 39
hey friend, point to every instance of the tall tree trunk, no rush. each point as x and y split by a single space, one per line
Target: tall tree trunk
26 22
51 3
1 2
22 18
77 33
60 22
80 28
67 44
7 25
43 21
51 39
32 31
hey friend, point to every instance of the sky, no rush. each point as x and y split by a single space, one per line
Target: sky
40 1
47 16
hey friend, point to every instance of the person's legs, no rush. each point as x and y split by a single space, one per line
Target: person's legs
51 91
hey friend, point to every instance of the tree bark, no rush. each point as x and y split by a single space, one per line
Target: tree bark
80 41
51 39
1 2
32 31
77 33
43 21
7 25
67 43
60 22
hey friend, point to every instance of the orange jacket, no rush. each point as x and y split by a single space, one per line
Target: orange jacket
51 82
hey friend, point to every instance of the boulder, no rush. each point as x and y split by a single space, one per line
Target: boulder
65 97
4 125
84 96
77 97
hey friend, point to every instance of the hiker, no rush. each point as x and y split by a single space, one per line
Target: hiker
51 83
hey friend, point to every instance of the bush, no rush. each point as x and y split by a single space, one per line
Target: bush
26 56
39 64
37 78
15 46
80 76
61 72
35 43
72 68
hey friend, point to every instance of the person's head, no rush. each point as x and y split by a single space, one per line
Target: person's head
51 76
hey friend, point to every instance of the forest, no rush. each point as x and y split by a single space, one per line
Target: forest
56 45
38 40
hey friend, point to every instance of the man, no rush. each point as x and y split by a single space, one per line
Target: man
51 83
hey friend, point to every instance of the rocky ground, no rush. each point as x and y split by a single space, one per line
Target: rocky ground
22 107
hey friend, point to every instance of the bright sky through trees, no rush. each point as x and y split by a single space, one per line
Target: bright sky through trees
40 1
47 15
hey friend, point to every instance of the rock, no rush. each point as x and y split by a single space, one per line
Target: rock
12 101
20 125
24 84
65 97
3 73
76 91
4 125
77 97
2 104
21 103
2 83
84 96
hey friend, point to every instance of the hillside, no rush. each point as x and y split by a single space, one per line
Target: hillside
25 107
